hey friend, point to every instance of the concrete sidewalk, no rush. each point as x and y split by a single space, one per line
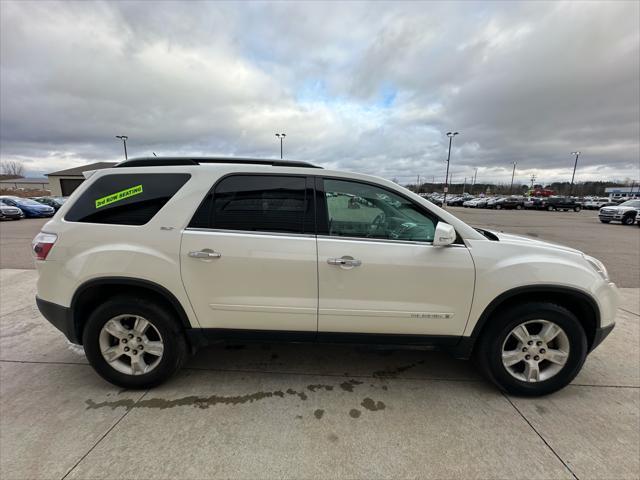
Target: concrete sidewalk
300 411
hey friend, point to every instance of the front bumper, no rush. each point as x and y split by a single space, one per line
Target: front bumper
60 317
600 335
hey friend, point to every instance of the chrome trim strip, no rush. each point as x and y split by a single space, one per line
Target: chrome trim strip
384 240
250 232
311 235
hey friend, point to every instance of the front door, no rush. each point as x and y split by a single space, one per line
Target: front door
378 270
248 259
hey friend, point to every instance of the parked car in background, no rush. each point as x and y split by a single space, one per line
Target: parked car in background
625 213
30 208
491 202
53 202
595 203
7 212
512 202
533 203
560 203
457 201
479 202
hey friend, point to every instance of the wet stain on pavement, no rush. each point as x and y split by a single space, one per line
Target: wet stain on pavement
193 401
348 385
204 402
372 405
541 410
332 437
313 388
394 373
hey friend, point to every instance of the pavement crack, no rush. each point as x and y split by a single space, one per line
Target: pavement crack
103 437
629 311
541 437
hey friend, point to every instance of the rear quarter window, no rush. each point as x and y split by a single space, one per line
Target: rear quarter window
126 199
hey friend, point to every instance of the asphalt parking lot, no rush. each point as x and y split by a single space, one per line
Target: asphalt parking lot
300 411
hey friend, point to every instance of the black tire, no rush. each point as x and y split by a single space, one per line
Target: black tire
498 207
175 345
576 209
551 208
489 348
518 207
605 221
628 220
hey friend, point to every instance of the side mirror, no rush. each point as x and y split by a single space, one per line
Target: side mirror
445 235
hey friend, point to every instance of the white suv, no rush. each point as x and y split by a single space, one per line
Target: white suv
154 258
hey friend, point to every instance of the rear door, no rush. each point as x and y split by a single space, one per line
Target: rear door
378 270
248 257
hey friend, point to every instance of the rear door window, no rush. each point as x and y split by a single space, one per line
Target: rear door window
258 203
127 199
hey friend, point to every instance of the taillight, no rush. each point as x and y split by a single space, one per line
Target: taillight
42 245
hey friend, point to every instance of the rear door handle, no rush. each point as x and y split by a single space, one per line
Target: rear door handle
206 253
344 262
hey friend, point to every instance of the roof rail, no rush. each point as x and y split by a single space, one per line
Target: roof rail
170 161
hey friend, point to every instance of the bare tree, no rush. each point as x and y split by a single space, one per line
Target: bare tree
12 168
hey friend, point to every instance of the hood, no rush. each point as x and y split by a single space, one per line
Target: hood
526 241
620 208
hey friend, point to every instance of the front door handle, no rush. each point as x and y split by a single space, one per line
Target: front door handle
206 253
344 262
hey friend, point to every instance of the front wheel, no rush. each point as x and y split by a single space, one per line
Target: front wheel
550 208
604 221
518 207
576 209
628 220
133 342
532 349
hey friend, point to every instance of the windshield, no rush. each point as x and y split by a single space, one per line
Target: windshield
631 203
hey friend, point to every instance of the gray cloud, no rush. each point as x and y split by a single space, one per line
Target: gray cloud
371 87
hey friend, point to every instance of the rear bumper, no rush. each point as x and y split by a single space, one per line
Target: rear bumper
601 334
60 317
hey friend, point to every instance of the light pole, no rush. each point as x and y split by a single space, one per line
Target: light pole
281 137
512 175
124 139
475 175
577 154
446 177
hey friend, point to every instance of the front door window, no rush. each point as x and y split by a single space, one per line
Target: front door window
365 211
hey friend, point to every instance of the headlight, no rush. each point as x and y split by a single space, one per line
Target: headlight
598 266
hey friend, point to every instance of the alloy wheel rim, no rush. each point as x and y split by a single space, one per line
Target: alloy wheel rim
535 351
131 344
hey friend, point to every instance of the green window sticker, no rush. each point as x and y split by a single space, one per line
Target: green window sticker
116 197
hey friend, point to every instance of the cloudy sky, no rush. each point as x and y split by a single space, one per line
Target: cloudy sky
370 87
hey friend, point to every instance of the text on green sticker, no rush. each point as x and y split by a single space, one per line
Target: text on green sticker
121 195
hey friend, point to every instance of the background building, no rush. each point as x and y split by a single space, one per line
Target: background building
623 192
24 184
64 182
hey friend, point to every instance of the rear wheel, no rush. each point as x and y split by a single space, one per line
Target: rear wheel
518 207
498 207
551 208
533 349
576 209
134 343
